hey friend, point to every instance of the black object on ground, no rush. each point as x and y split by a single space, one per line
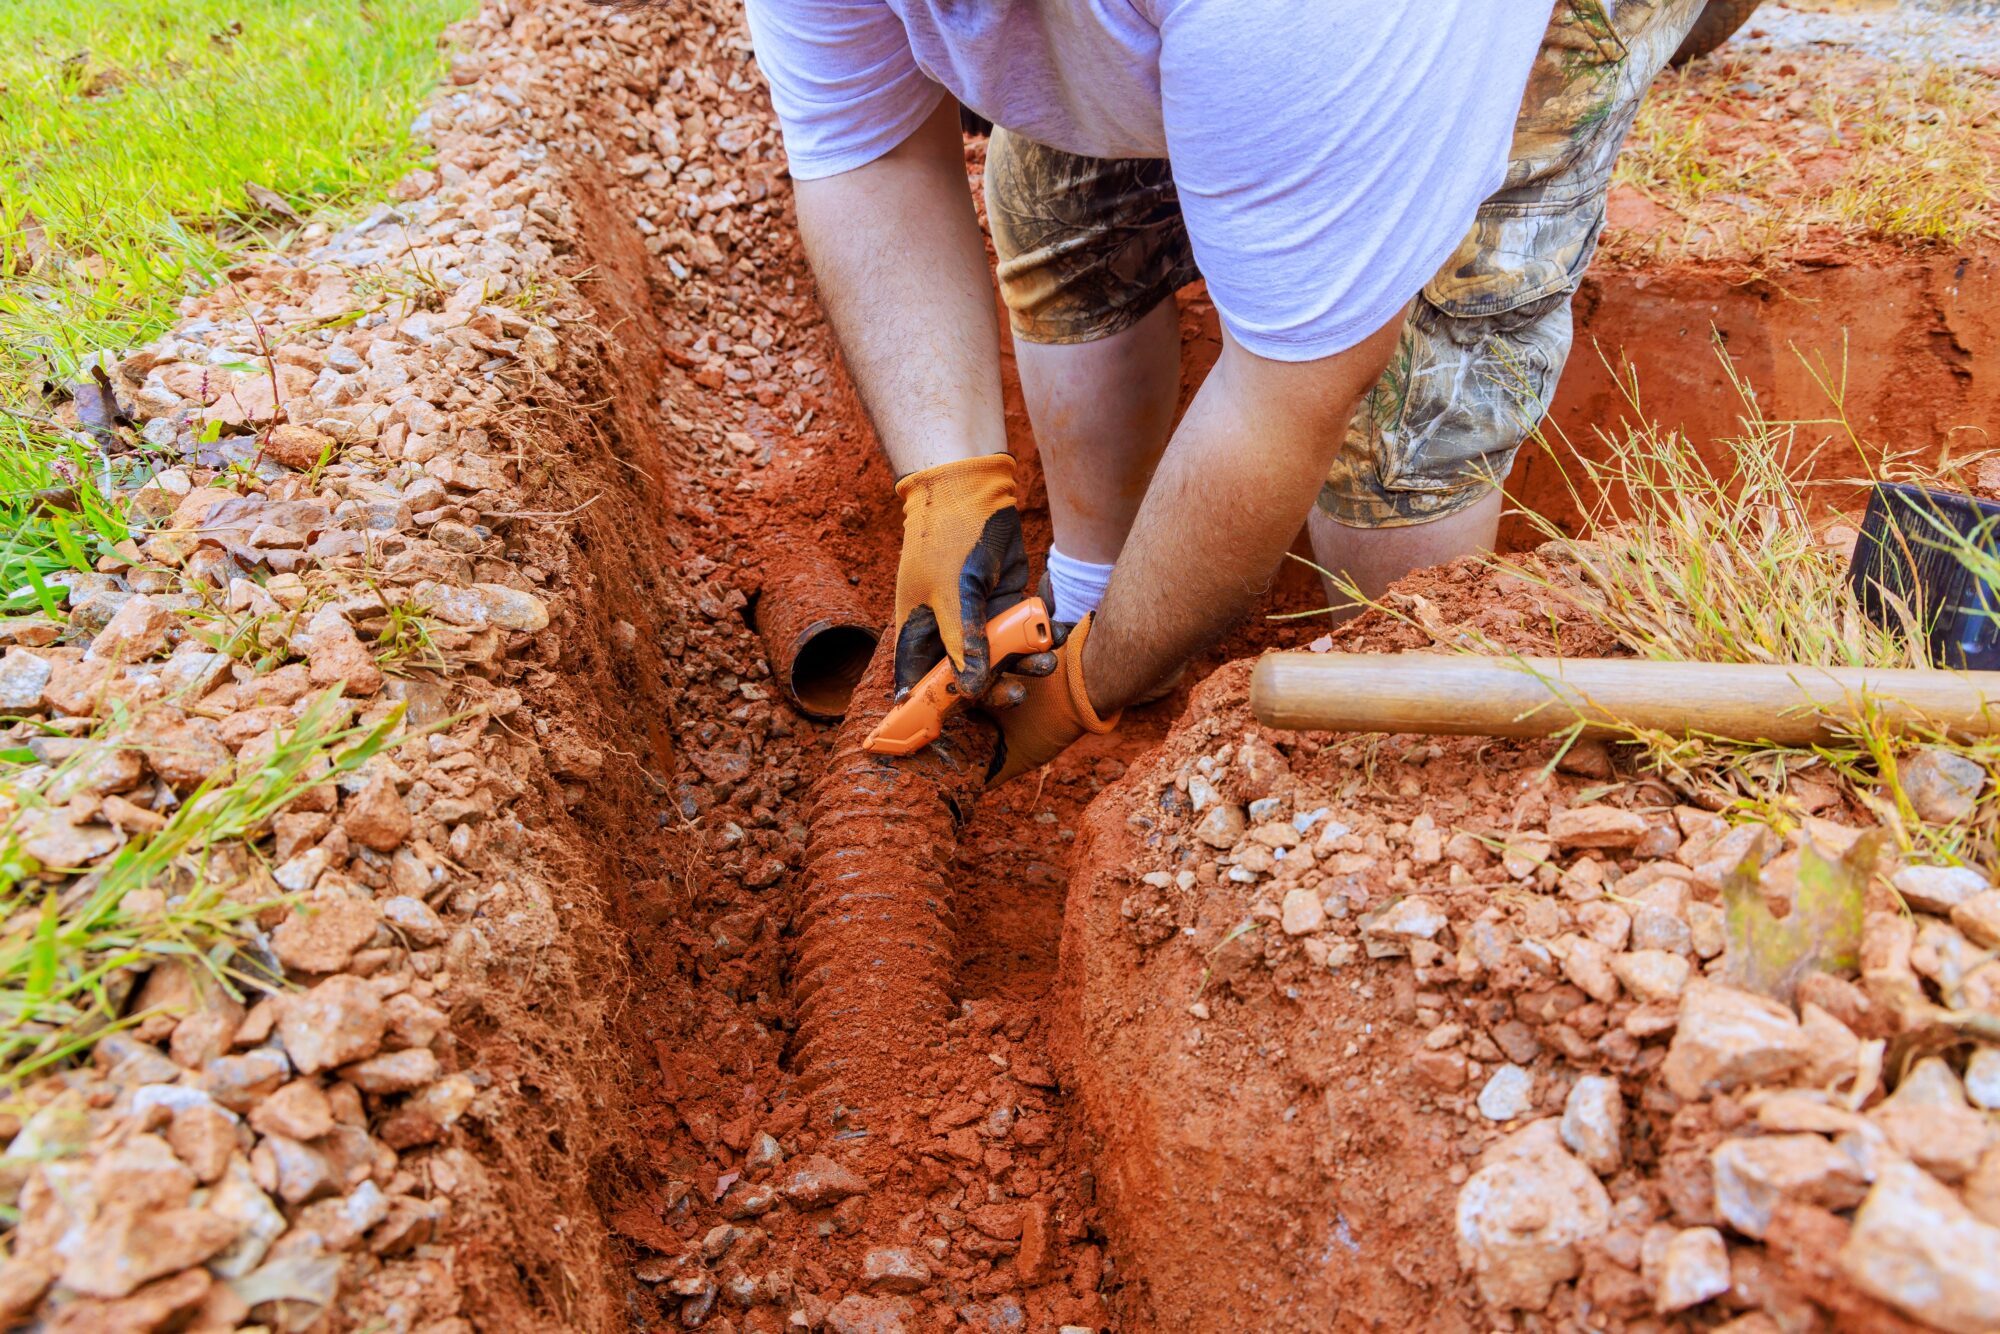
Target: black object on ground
1716 24
1908 562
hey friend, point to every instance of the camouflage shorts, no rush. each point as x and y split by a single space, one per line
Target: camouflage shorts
1088 245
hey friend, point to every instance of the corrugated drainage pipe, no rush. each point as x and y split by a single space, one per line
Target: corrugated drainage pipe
817 635
875 963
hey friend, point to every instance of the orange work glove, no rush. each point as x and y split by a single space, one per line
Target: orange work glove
963 564
1054 712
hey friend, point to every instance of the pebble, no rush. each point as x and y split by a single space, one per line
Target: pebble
124 1248
817 1181
335 655
1916 1247
1979 918
339 1021
393 1072
894 1269
1942 787
1694 1268
1417 917
1652 975
1727 1039
22 678
375 817
1982 1078
256 1218
300 1110
1754 1176
135 632
511 609
1522 1218
1938 889
1593 1123
1508 1094
1588 964
1596 827
322 935
1927 1118
858 1314
1302 913
415 920
1221 826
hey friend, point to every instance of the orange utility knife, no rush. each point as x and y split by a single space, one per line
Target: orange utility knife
919 719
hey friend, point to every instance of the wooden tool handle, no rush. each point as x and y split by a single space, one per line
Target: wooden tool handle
1528 697
919 719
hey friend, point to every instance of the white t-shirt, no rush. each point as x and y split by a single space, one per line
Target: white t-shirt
1329 153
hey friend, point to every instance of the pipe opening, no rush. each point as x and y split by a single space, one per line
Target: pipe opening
827 668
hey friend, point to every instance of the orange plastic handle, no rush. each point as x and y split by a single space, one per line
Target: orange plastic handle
919 719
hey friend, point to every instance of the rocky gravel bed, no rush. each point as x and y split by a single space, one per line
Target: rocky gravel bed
1647 1128
327 538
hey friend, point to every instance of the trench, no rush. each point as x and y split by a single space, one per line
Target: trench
721 805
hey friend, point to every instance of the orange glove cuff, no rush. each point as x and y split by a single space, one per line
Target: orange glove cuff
1055 713
1071 671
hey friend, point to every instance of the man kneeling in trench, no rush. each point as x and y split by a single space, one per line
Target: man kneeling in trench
1391 205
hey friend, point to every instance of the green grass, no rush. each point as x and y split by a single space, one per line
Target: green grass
55 514
70 948
129 129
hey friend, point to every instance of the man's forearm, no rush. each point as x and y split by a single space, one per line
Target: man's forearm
901 269
1229 496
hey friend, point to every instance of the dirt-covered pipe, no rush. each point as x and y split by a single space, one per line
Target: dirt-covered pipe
874 967
817 635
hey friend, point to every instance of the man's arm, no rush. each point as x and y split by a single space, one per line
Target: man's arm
901 267
1230 493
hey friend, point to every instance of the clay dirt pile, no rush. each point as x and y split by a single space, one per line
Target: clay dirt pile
1478 1040
521 1018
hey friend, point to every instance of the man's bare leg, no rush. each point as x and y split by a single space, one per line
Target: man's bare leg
1102 412
1374 558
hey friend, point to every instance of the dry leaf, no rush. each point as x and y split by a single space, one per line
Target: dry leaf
1822 933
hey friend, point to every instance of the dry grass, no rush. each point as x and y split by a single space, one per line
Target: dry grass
1685 563
1753 160
1682 562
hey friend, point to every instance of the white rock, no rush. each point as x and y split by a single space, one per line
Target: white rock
1596 827
1593 1123
1917 1248
1221 826
1754 1176
1727 1039
22 677
1302 912
1694 1268
237 1198
1941 786
1508 1094
1522 1216
1982 1078
1201 794
1938 889
1652 975
1417 916
511 609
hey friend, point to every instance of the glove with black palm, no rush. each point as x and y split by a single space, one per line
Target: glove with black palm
963 563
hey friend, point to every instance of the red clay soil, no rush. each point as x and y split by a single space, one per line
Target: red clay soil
1294 1114
1911 336
1289 1176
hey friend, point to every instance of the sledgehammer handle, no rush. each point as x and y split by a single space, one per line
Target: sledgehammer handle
1529 697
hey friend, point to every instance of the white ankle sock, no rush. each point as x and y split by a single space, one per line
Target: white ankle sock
1078 586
